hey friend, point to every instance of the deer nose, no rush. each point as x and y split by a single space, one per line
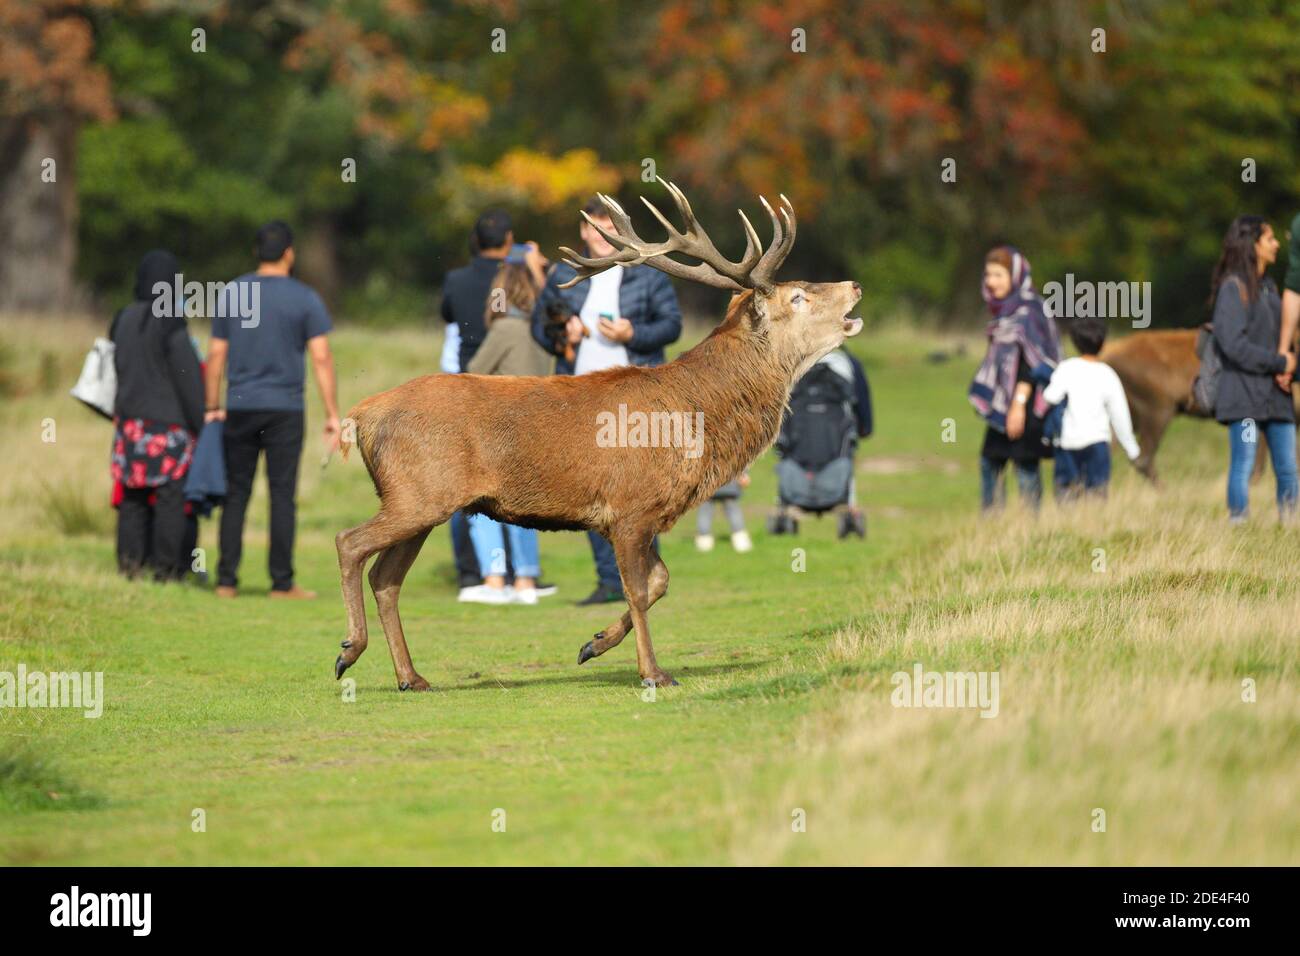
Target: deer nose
857 289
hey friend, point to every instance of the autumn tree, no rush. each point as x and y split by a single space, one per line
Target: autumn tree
910 134
49 86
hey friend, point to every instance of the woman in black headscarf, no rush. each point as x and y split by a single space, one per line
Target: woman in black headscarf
157 416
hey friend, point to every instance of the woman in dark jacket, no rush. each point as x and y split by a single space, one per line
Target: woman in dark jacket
1247 324
1024 347
157 414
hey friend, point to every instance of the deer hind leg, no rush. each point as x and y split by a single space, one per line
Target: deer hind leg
386 576
612 636
355 546
636 558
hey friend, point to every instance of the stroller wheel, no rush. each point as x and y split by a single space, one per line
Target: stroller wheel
852 522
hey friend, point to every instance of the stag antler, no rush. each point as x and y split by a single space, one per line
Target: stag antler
754 271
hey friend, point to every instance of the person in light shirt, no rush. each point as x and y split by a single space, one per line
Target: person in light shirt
626 315
1094 407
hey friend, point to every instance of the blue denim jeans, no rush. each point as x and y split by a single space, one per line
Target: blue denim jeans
489 544
1243 442
993 490
606 562
1082 470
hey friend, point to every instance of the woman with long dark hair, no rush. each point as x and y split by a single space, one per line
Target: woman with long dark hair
508 349
1024 348
1247 324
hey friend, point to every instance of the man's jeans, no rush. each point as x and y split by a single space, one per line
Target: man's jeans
1082 470
606 563
993 491
489 544
247 434
1243 442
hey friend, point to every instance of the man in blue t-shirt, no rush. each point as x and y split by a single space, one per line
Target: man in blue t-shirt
266 321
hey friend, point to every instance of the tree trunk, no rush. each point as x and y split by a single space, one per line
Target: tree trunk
317 262
964 307
38 219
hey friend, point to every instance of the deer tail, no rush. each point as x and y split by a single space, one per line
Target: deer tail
345 438
350 433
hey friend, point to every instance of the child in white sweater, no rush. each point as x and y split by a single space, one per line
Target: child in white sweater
1094 407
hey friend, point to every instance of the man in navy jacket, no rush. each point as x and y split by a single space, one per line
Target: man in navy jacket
627 315
646 302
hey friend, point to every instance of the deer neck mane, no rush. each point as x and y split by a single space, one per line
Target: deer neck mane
740 387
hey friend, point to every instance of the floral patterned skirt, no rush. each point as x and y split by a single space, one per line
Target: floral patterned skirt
149 454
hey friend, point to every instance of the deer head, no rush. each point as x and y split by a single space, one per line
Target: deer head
798 322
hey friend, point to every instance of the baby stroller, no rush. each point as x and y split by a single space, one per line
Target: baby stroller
830 409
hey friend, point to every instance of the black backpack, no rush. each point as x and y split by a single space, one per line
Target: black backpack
1205 387
819 426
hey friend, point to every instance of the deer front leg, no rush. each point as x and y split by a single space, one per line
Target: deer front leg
613 635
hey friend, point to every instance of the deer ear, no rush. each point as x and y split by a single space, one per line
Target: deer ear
760 310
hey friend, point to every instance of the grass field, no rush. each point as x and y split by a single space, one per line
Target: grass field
1121 637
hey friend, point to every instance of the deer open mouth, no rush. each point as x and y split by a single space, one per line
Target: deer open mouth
852 325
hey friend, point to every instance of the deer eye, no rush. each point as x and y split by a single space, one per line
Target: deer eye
797 297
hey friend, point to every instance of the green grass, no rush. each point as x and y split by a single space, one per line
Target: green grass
1120 689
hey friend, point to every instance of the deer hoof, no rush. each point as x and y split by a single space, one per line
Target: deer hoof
587 652
418 684
663 680
340 665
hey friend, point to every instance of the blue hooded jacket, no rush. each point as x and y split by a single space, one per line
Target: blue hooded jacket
645 297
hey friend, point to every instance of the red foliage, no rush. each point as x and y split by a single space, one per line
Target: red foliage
46 59
891 86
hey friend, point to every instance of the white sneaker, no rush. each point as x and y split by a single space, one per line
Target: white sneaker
482 594
740 541
704 542
525 596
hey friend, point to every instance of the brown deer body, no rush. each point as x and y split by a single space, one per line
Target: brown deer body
536 451
1157 369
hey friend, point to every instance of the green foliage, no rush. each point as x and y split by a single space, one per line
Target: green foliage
1200 87
144 186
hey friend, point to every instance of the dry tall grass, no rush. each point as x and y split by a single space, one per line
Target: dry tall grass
1126 638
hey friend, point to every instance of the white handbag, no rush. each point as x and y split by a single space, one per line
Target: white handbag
97 386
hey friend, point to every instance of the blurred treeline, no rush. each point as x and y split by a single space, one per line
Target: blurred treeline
1122 164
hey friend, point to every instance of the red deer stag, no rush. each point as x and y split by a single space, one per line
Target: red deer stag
535 451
